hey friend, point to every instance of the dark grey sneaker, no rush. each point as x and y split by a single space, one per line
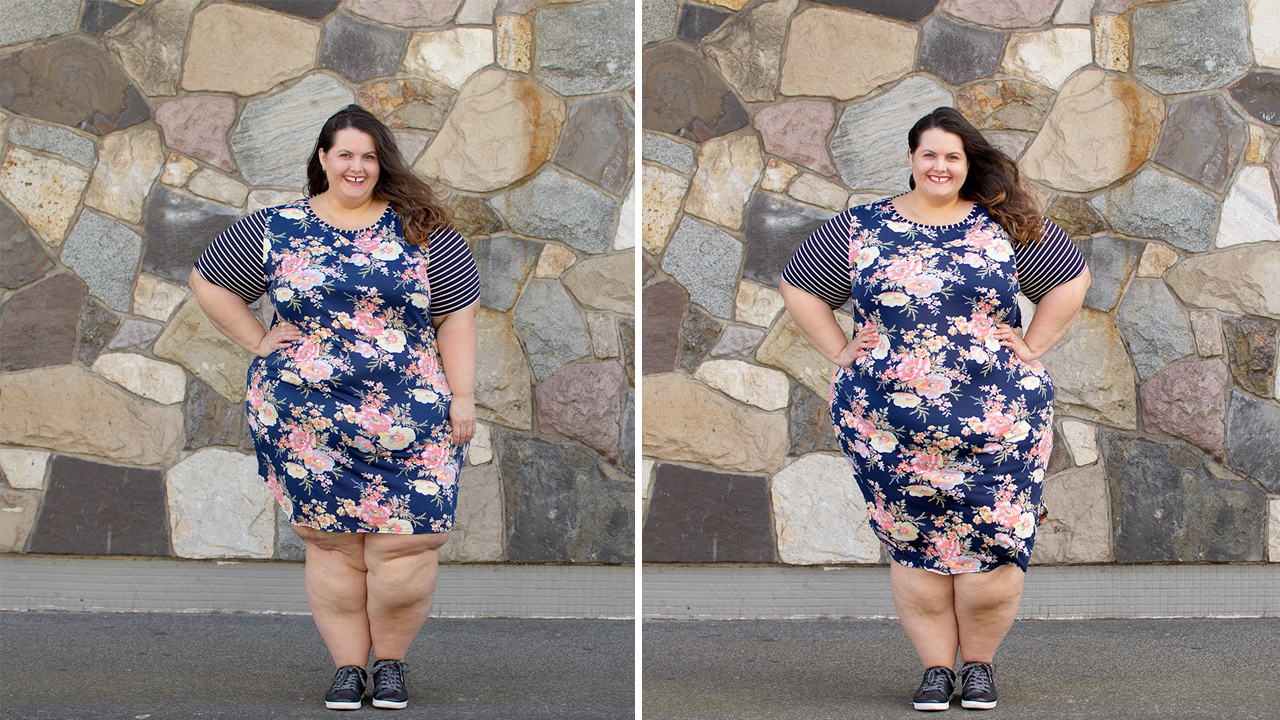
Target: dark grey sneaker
935 689
388 684
978 689
348 688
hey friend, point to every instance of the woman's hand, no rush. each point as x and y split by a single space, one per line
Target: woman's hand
1012 339
857 348
462 419
277 337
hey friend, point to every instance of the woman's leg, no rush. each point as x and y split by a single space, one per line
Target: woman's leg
926 605
336 589
401 583
985 606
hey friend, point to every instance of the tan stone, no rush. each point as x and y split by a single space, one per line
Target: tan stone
816 191
502 128
553 260
479 532
1259 146
685 421
777 175
757 304
604 334
1206 326
406 13
220 187
819 513
177 170
128 163
605 283
1101 128
745 48
744 382
149 44
662 195
259 199
1264 34
24 469
163 382
1241 280
68 409
820 54
785 348
1093 377
1078 528
624 237
194 343
247 50
728 169
156 298
731 4
407 102
515 42
480 451
45 191
1048 57
449 56
17 518
1083 441
1111 42
1004 104
504 383
1156 258
1073 12
219 507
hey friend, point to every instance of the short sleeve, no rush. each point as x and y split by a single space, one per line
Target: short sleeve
451 270
1047 264
820 266
234 259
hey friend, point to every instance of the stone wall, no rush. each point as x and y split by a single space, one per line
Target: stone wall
1149 130
133 132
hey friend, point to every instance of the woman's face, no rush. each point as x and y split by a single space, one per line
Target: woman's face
939 165
351 166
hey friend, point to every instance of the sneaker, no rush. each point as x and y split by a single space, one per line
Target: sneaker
388 684
935 689
979 689
348 688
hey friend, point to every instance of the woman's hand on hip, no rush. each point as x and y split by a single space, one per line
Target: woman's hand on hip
277 337
1012 339
462 419
866 338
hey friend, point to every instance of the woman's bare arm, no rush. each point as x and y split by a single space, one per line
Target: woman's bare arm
233 318
456 337
1054 315
817 324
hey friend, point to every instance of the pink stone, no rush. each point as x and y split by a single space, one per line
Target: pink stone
1003 13
407 13
583 402
797 131
198 125
1188 401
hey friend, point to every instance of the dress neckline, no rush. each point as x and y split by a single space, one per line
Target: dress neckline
899 217
311 211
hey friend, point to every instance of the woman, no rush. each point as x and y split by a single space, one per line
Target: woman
938 401
360 400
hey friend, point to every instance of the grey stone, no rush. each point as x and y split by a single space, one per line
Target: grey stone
209 418
38 323
97 326
1259 93
1204 139
27 20
627 338
627 435
587 48
1251 351
504 262
179 228
1075 216
1192 46
276 134
1153 325
556 206
1059 455
776 228
104 253
662 149
288 545
683 95
909 10
361 51
312 9
699 21
136 335
747 47
698 334
551 327
809 422
472 216
1159 206
663 308
98 509
705 260
24 255
563 503
870 143
1111 261
737 341
657 20
100 16
55 140
698 516
71 82
1171 503
958 53
1252 429
596 142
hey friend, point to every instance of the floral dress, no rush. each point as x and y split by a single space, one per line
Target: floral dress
350 423
948 433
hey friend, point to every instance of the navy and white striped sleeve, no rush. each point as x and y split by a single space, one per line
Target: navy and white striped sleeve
451 270
820 266
234 259
1047 264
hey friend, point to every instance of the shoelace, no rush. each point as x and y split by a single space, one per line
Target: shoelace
935 679
348 678
393 677
977 676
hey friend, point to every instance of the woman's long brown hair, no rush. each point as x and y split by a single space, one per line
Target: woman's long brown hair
421 212
993 181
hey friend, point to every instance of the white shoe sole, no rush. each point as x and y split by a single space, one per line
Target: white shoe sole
342 705
391 704
931 705
977 704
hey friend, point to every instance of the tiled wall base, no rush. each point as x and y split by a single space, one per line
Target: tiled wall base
140 585
1051 592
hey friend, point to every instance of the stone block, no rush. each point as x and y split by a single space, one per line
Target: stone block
514 36
698 333
24 469
27 20
1083 440
44 191
557 206
809 421
38 324
785 348
504 388
1252 429
728 169
134 335
605 283
820 515
1111 261
310 9
814 190
155 298
150 44
551 327
97 326
699 21
289 546
218 187
259 199
663 193
597 143
277 133
797 131
246 51
17 517
407 102
1156 258
1112 42
1154 326
480 451
582 402
1171 58
657 20
1004 104
818 54
98 509
563 503
209 419
219 507
450 57
1073 12
1259 94
105 254
1093 378
1078 526
1251 352
1075 216
958 53
198 125
1155 205
504 262
472 216
706 261
870 136
778 175
747 47
1204 139
1003 13
674 155
1249 212
744 382
776 229
162 382
407 13
554 260
478 528
737 342
1242 280
624 237
627 336
177 170
908 10
664 308
101 15
587 48
179 228
56 140
1048 57
1205 327
688 422
757 304
1188 401
683 95
24 257
70 81
361 51
698 516
192 341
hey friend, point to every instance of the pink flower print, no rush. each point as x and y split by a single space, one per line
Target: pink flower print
292 264
306 279
963 564
360 260
944 479
865 257
1006 514
863 427
420 301
315 370
387 251
882 517
997 423
1018 432
365 349
372 421
396 437
1005 541
897 226
881 350
426 486
362 443
391 340
883 442
317 461
973 260
368 324
905 400
924 462
367 243
1026 526
893 299
433 456
267 414
920 490
293 213
299 440
904 531
903 268
948 548
932 386
370 512
396 526
447 475
912 367
1030 382
290 377
922 285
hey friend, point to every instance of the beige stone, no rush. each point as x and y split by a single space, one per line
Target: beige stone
553 260
193 342
1093 377
515 42
1264 33
757 304
777 175
604 334
219 187
44 191
728 169
817 191
1078 528
731 4
744 382
819 513
1073 12
745 48
24 469
160 381
156 298
502 128
1111 42
1240 280
259 199
606 282
449 57
149 44
481 449
1083 441
17 518
624 237
504 383
1101 128
662 194
820 54
1048 57
247 50
219 507
177 170
479 532
406 13
1156 258
1249 213
476 12
68 409
785 348
1206 326
1259 146
685 421
128 163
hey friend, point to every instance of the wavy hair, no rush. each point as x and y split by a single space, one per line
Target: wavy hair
421 211
993 181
